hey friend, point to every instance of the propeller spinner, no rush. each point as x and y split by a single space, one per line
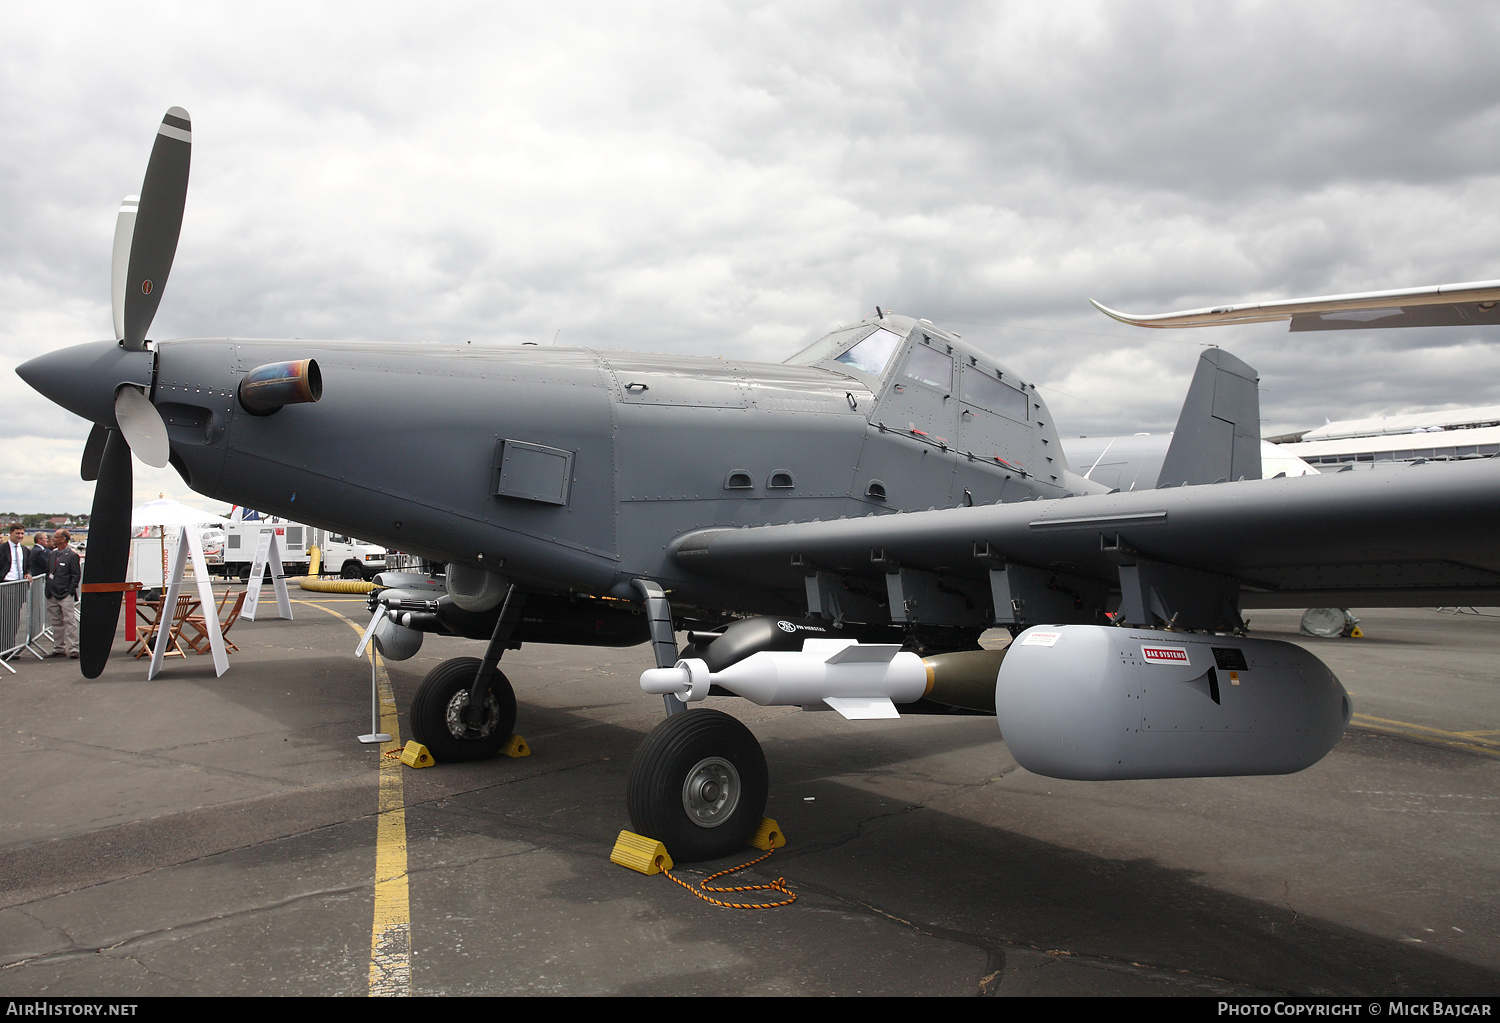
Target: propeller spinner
110 382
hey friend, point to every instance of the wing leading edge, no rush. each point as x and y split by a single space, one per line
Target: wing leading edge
1440 305
1415 534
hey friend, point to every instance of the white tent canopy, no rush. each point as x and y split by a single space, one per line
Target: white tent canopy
166 512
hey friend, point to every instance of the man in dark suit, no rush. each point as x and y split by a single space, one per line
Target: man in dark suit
62 593
40 562
13 567
13 555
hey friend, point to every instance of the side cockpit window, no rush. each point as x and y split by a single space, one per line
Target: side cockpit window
930 367
873 353
984 391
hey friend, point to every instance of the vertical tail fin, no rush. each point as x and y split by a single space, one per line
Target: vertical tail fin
1218 431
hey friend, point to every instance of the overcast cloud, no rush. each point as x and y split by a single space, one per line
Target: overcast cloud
737 178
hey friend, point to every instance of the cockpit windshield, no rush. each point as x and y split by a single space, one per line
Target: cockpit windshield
828 344
870 352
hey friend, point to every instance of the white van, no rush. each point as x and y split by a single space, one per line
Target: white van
341 555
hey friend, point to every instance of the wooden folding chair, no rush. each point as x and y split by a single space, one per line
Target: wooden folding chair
199 640
148 635
197 627
148 618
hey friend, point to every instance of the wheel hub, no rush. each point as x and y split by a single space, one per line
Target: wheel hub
710 792
461 729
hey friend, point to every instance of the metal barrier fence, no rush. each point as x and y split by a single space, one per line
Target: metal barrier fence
396 562
23 619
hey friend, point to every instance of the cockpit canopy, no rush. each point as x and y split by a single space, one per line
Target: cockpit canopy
934 359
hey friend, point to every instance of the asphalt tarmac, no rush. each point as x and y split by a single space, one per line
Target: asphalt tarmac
225 836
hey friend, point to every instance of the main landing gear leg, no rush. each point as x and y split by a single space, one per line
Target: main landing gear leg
698 784
489 667
443 714
663 641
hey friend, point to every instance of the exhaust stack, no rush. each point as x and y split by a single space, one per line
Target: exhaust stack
266 388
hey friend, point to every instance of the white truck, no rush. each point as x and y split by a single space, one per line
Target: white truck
341 555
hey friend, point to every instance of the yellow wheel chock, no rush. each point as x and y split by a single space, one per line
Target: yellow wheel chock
416 755
768 836
638 852
649 856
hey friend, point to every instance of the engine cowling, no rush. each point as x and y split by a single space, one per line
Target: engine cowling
1093 703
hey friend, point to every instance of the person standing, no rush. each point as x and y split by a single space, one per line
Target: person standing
41 555
40 563
13 567
62 595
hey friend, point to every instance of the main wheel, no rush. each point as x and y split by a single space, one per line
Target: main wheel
352 570
437 713
698 785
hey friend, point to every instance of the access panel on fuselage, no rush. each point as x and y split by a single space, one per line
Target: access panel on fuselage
918 398
787 454
648 378
995 420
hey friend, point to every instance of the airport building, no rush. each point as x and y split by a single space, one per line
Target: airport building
1449 434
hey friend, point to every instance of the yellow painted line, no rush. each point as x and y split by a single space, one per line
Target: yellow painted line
390 935
390 938
1458 740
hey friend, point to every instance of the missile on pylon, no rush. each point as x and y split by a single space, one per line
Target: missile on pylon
860 681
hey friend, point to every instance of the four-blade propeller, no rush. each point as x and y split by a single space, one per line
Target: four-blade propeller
146 233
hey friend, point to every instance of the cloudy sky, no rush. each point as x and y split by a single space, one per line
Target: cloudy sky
738 178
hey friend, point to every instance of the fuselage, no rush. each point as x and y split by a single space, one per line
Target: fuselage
573 469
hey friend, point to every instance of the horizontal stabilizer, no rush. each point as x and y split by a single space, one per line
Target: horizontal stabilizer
1218 431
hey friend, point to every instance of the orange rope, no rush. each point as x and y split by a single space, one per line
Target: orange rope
778 885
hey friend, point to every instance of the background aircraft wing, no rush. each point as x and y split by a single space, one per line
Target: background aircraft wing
1441 305
1411 534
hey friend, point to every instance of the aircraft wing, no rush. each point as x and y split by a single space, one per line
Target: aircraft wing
1440 305
1400 535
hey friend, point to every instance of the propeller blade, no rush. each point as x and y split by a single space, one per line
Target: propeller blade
93 451
157 226
142 426
119 264
109 555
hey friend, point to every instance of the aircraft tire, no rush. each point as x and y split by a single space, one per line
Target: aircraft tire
435 721
698 785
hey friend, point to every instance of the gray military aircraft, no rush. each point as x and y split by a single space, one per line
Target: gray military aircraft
834 531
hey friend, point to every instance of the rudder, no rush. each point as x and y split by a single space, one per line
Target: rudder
1218 431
